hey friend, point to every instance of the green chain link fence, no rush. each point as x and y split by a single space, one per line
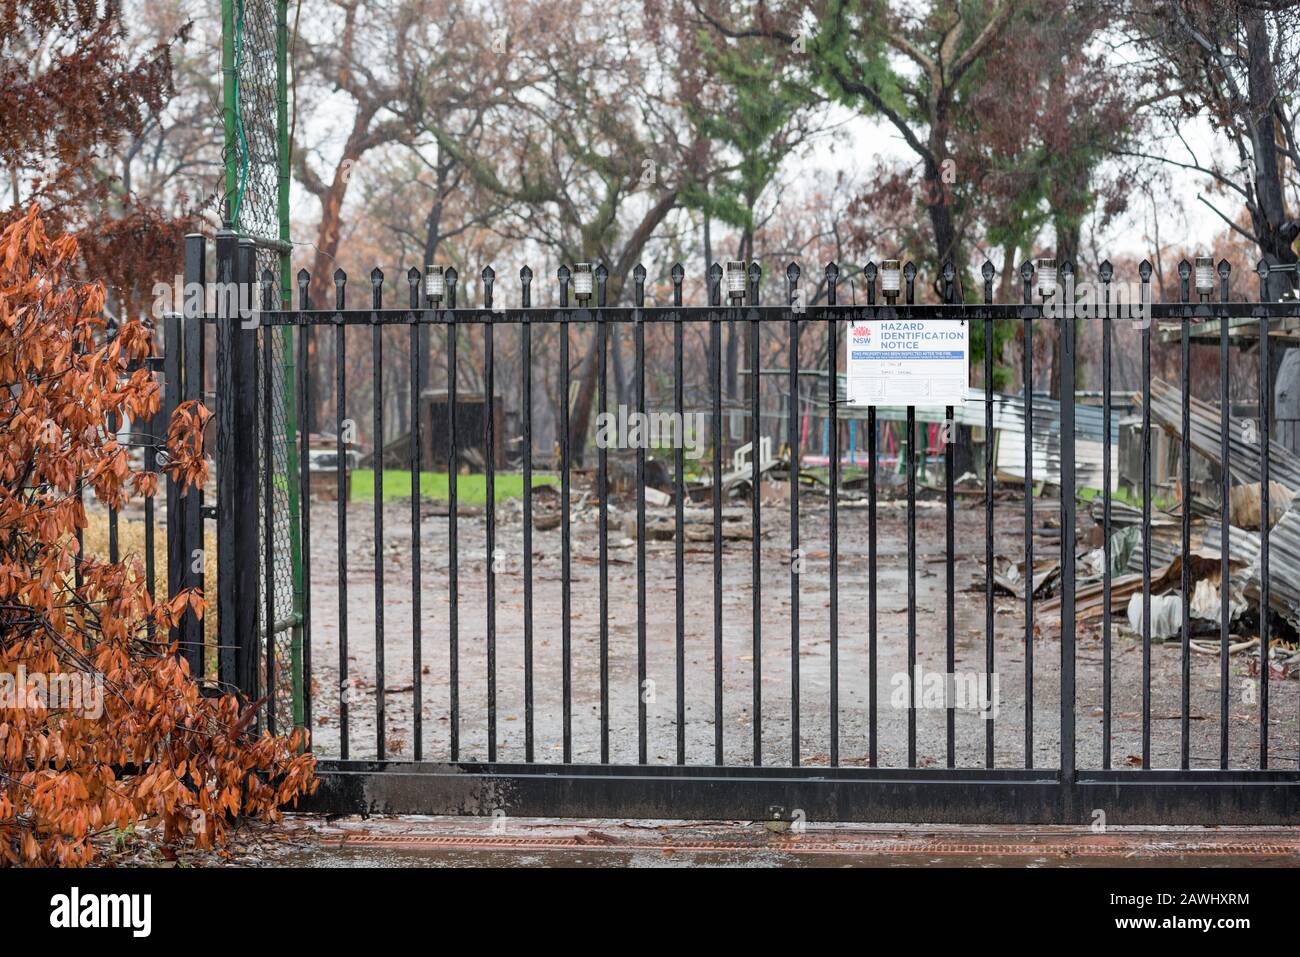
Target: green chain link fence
255 94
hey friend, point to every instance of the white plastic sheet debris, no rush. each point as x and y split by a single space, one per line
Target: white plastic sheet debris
1166 615
1167 609
1207 604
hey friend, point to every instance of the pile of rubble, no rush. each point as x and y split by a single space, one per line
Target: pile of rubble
1204 552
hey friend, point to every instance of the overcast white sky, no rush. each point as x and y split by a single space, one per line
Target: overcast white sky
1181 218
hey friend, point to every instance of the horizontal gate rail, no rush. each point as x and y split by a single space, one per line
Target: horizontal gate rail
820 313
880 795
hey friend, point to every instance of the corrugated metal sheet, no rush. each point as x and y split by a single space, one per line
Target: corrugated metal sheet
1088 457
1283 565
1243 450
1243 549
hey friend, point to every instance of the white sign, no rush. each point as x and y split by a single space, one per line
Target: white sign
922 362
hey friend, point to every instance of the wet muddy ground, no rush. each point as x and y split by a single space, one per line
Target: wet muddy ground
737 657
311 840
527 842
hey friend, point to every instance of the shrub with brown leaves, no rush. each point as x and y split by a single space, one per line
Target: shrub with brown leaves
147 749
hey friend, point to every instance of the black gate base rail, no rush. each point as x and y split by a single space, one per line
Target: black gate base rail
881 795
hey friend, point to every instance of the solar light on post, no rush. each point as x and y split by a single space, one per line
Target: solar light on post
1047 278
1204 277
735 279
891 279
435 284
583 281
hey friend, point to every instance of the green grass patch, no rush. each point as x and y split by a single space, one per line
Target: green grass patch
470 489
1130 497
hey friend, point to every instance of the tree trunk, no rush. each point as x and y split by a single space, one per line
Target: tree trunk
622 388
620 268
940 213
580 414
708 255
321 286
1007 280
424 334
1274 232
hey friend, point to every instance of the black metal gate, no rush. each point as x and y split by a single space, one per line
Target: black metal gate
705 754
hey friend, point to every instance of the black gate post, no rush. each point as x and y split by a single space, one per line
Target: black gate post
237 467
1069 775
183 378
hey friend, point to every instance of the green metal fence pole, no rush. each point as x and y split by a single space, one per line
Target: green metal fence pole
290 379
230 150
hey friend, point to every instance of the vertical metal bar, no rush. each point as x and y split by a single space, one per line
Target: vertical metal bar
377 393
715 368
1026 276
526 331
638 318
343 478
1068 489
185 382
792 441
304 494
872 625
756 513
148 451
417 437
1185 480
1144 270
268 500
453 523
679 506
198 390
910 272
1107 336
490 505
990 625
1265 427
237 531
566 606
78 572
1225 511
911 585
602 491
114 425
950 588
227 425
191 510
796 555
178 548
833 401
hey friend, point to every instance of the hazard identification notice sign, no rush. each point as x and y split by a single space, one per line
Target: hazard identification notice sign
908 362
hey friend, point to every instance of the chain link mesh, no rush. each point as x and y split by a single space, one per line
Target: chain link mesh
257 215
